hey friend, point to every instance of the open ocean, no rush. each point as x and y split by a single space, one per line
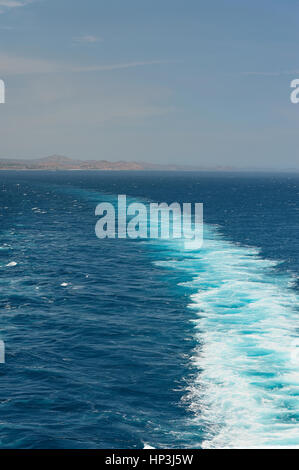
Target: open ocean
129 344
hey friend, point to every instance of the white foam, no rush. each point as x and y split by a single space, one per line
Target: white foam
246 389
147 446
11 264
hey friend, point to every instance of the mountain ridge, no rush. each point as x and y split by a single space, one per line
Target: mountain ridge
61 162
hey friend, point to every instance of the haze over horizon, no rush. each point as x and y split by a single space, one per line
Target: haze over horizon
184 83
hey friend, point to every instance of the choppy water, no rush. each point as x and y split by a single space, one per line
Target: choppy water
122 343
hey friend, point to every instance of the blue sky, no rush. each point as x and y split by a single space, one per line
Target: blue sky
198 82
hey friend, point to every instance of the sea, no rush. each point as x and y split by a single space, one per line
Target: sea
131 344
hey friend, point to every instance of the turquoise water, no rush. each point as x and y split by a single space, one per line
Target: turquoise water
129 343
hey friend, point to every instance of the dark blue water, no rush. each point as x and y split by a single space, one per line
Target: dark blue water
126 344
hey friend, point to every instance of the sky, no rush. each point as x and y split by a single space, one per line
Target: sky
194 82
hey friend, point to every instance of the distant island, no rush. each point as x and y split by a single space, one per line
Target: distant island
57 162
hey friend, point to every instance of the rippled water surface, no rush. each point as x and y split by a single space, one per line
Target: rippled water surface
123 343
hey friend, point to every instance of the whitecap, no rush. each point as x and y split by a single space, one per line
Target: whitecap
11 264
147 446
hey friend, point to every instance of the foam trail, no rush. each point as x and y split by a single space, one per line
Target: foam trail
246 390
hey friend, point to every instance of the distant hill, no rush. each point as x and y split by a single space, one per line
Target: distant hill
58 162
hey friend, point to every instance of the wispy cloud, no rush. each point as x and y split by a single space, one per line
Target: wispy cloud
11 3
272 73
11 65
125 65
6 5
88 39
